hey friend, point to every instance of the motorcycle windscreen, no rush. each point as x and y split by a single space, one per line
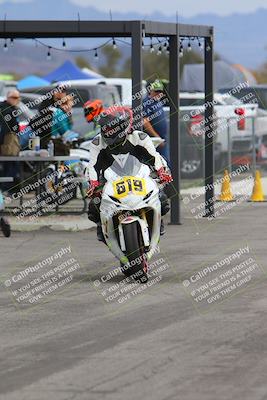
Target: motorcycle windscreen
125 164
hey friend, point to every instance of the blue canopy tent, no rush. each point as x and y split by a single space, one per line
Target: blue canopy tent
31 81
67 71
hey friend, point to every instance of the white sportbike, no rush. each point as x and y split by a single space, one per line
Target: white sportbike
130 214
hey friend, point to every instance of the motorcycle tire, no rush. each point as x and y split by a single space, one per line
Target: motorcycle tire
135 253
5 226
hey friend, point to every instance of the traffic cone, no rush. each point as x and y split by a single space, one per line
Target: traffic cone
226 194
257 193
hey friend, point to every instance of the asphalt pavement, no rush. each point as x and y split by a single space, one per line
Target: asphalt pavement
98 336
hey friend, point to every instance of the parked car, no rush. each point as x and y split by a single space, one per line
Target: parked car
5 86
242 147
229 113
242 151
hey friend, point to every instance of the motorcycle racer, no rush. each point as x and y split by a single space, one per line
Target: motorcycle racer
118 137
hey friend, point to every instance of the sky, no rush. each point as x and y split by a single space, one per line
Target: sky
186 8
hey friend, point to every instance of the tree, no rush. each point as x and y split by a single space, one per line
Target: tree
112 56
154 66
261 74
217 57
157 66
82 62
126 69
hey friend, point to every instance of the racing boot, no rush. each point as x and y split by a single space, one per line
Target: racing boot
99 233
162 228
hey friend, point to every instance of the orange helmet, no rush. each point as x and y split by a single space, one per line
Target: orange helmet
92 108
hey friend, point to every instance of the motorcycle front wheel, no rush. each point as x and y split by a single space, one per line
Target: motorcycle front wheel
137 267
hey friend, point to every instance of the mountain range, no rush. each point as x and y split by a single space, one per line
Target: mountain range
239 38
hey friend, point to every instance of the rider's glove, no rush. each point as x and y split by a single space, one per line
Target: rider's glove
92 187
164 176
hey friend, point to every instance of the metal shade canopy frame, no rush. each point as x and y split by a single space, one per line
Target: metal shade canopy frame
135 30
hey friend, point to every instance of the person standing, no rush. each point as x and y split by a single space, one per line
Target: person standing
9 131
154 118
62 116
8 119
54 119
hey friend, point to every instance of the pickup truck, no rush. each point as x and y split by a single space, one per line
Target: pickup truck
229 113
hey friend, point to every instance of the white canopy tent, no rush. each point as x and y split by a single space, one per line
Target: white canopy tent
225 76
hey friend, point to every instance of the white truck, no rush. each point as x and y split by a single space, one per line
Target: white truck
230 115
124 86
